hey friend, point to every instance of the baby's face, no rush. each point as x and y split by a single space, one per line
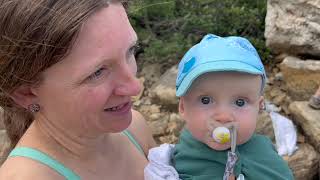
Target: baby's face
222 98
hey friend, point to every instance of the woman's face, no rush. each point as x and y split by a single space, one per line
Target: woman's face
90 90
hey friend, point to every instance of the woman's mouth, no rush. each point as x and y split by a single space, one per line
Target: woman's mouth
120 109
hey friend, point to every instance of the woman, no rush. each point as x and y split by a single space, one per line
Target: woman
67 77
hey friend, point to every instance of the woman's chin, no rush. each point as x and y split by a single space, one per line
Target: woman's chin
121 126
116 125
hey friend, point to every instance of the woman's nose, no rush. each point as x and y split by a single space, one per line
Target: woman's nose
127 83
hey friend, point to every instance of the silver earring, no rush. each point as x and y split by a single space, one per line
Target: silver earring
34 108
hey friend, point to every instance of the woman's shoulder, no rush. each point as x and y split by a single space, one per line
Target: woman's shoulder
141 131
17 168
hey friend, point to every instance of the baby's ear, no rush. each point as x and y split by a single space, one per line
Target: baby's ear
262 105
181 106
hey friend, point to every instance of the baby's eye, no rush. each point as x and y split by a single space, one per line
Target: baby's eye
206 100
240 102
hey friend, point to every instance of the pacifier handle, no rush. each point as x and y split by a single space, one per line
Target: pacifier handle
232 156
233 133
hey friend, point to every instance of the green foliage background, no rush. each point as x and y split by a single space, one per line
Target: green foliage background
168 28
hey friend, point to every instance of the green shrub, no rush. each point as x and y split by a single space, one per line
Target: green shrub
167 28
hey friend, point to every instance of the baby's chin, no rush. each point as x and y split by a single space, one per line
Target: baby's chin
220 147
217 146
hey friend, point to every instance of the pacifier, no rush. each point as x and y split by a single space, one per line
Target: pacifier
221 131
221 135
224 133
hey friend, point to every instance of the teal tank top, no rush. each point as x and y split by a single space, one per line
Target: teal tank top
54 164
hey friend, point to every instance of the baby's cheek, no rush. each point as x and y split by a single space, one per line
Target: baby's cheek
197 126
245 132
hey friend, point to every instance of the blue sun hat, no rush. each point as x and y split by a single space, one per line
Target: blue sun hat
214 54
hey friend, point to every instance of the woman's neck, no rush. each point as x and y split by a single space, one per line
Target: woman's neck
90 158
68 143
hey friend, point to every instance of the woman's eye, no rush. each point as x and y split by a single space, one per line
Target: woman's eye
97 74
206 100
133 49
240 102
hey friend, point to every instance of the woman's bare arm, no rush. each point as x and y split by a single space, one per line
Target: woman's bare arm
141 131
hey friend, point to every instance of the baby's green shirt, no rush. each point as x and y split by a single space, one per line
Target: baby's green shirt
258 159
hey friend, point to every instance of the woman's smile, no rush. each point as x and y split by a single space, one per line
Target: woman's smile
120 109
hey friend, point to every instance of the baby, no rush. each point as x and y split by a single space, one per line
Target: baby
220 83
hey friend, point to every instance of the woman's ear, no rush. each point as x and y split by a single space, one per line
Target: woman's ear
262 105
24 95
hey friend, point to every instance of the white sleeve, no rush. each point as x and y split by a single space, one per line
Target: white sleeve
160 166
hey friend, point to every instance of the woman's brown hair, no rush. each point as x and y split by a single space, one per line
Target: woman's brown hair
34 35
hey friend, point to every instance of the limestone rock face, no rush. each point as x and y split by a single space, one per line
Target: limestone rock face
309 120
302 77
293 26
164 90
304 163
264 125
159 126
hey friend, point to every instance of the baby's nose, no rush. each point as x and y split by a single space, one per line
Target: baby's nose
224 117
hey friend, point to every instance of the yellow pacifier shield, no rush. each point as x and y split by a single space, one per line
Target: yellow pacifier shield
221 135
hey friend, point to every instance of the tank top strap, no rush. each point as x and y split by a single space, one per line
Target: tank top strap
44 159
133 140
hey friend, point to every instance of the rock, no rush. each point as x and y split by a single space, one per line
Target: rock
279 99
144 109
304 162
267 89
154 108
278 58
302 78
174 128
151 72
4 145
136 103
285 106
286 110
175 124
293 26
264 125
154 116
175 117
283 87
301 138
170 139
164 92
159 127
271 107
275 92
276 70
153 112
270 80
149 110
308 119
278 76
147 101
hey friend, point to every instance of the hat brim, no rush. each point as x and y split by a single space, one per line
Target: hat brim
215 66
